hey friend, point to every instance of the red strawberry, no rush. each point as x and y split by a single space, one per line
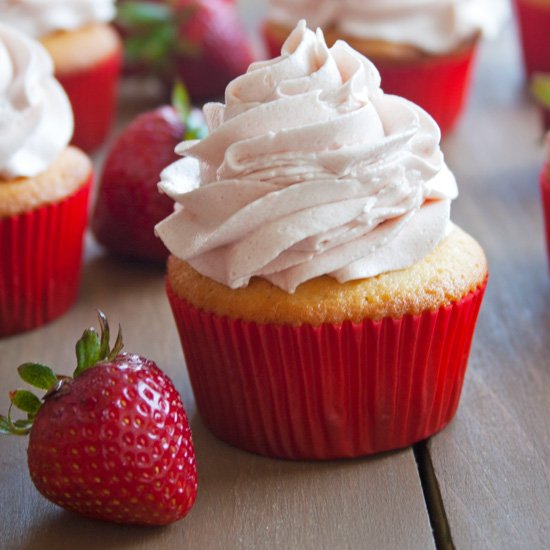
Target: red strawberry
201 42
129 204
112 443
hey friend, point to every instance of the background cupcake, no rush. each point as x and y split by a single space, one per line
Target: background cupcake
44 187
424 49
534 29
87 56
324 301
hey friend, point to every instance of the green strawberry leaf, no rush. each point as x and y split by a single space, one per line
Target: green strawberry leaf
4 425
117 348
23 424
25 401
37 375
105 334
19 427
88 351
181 100
540 88
143 13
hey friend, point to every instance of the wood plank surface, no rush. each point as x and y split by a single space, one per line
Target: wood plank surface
493 461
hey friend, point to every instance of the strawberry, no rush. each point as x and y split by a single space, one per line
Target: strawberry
113 442
201 42
128 203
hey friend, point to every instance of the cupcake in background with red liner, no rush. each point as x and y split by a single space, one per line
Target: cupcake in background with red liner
44 188
533 17
325 302
545 191
87 55
424 49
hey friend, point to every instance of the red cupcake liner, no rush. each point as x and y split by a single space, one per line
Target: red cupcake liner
93 93
534 30
440 85
545 192
333 391
41 257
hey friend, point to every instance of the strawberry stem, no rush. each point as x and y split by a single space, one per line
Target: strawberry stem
91 348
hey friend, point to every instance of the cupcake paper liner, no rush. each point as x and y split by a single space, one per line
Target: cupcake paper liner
534 30
92 93
41 256
440 85
333 391
545 192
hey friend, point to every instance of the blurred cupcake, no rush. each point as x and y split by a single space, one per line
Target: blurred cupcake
545 191
87 55
424 49
44 187
325 303
534 29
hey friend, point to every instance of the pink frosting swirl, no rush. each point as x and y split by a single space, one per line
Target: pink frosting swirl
309 169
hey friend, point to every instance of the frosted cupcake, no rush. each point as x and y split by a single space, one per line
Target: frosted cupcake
87 55
534 30
325 302
424 49
44 187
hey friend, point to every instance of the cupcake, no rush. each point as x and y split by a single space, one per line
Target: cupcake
44 187
424 49
545 191
534 29
87 55
325 302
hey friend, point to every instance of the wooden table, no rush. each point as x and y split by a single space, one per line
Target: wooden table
486 478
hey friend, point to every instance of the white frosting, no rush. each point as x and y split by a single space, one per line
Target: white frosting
436 26
309 169
41 17
36 121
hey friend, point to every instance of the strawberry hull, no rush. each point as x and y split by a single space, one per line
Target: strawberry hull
92 93
333 391
534 30
41 258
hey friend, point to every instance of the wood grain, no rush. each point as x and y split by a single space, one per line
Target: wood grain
493 461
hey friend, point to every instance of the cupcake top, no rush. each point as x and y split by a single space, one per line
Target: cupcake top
36 121
309 169
39 18
435 26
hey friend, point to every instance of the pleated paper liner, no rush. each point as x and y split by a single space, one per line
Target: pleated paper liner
439 84
331 391
534 29
40 259
545 193
93 93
